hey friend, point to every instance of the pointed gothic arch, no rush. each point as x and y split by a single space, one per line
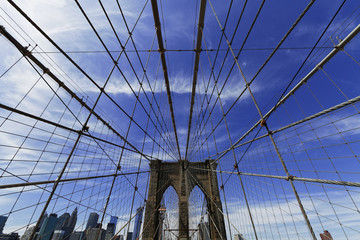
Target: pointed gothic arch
198 217
169 213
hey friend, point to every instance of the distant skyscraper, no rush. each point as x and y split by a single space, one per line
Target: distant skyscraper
93 232
62 221
27 233
3 220
70 226
92 221
11 236
41 222
137 225
129 236
48 227
76 235
111 228
58 235
110 231
204 233
113 220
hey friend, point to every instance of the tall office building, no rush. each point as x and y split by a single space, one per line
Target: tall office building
204 233
113 219
129 236
77 235
110 231
3 220
48 227
111 228
27 233
93 232
92 221
41 222
137 225
58 235
11 236
70 226
62 221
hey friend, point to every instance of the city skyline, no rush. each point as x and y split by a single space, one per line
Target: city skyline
64 226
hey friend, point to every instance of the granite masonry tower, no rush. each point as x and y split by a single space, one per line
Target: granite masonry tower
183 176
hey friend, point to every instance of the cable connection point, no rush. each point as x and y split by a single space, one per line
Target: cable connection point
263 123
236 166
85 129
290 177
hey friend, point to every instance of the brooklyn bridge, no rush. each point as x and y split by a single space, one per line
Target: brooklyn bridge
190 119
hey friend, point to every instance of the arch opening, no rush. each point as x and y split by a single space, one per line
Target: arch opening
169 214
198 215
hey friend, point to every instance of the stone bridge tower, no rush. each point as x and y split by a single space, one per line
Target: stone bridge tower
183 176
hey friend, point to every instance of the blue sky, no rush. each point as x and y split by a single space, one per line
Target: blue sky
324 148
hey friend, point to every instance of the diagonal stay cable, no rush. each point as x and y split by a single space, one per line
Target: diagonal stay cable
152 89
80 133
91 111
31 57
18 45
28 54
199 122
14 110
130 63
326 59
121 72
234 155
223 64
122 151
266 61
309 226
27 183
